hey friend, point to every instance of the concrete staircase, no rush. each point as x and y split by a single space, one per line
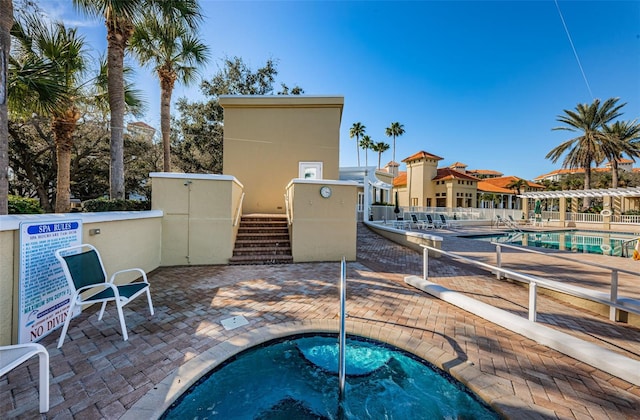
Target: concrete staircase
262 239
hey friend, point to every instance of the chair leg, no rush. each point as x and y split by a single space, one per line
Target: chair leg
150 304
125 336
65 327
44 380
104 305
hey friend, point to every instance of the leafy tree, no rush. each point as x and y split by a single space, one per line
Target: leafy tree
197 139
175 52
121 16
621 137
366 143
586 148
380 147
6 21
394 130
357 131
32 157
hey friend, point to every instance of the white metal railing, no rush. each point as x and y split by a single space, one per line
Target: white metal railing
238 210
534 282
626 218
613 290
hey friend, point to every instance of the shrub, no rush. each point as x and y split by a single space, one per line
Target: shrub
103 204
22 205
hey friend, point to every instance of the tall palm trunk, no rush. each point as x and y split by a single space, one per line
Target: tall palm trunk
6 21
63 128
167 78
614 173
118 35
586 201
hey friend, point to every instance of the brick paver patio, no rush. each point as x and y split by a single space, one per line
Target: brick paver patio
96 375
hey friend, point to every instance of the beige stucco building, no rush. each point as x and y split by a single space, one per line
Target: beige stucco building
270 140
423 184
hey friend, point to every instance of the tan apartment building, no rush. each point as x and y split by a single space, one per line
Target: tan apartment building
423 184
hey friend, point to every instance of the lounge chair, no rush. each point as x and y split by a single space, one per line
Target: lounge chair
420 224
431 223
13 356
446 223
84 271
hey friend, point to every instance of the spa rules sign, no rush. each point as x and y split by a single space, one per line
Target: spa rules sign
44 292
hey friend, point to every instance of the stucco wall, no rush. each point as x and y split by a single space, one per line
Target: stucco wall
126 239
324 229
266 137
199 216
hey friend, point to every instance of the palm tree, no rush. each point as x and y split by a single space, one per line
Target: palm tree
45 79
366 143
380 147
621 137
6 21
517 184
394 130
121 16
586 148
357 130
64 49
175 53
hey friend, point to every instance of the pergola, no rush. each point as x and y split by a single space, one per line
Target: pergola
628 192
595 193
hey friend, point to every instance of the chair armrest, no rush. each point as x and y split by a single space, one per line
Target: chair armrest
140 270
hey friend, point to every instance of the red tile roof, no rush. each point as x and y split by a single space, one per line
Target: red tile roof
422 155
502 182
448 173
400 180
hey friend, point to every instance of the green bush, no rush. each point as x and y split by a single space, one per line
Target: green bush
632 213
103 204
21 205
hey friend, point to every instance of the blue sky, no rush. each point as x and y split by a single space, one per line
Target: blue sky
478 82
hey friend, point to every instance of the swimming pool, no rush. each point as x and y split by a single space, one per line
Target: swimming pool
292 379
591 242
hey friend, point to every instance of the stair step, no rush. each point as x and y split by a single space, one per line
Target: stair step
263 244
262 239
260 252
260 260
261 235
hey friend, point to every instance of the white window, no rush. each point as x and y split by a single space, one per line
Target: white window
310 170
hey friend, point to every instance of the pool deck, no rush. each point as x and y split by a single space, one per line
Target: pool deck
97 375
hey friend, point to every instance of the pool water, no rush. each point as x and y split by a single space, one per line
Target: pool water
590 242
294 379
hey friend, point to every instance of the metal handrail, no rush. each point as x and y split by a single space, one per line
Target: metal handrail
623 245
560 257
533 282
238 210
342 358
286 207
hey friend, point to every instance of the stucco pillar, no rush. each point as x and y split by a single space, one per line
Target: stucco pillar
563 210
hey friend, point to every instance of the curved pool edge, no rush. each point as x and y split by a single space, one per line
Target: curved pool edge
495 391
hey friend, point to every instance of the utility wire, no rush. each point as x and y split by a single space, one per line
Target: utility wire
575 53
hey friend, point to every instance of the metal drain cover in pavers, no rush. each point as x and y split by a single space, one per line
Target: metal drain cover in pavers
234 322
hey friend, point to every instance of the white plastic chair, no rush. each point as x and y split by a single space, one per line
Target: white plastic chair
85 272
14 355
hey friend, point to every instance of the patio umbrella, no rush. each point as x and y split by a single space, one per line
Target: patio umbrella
537 211
397 209
538 208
